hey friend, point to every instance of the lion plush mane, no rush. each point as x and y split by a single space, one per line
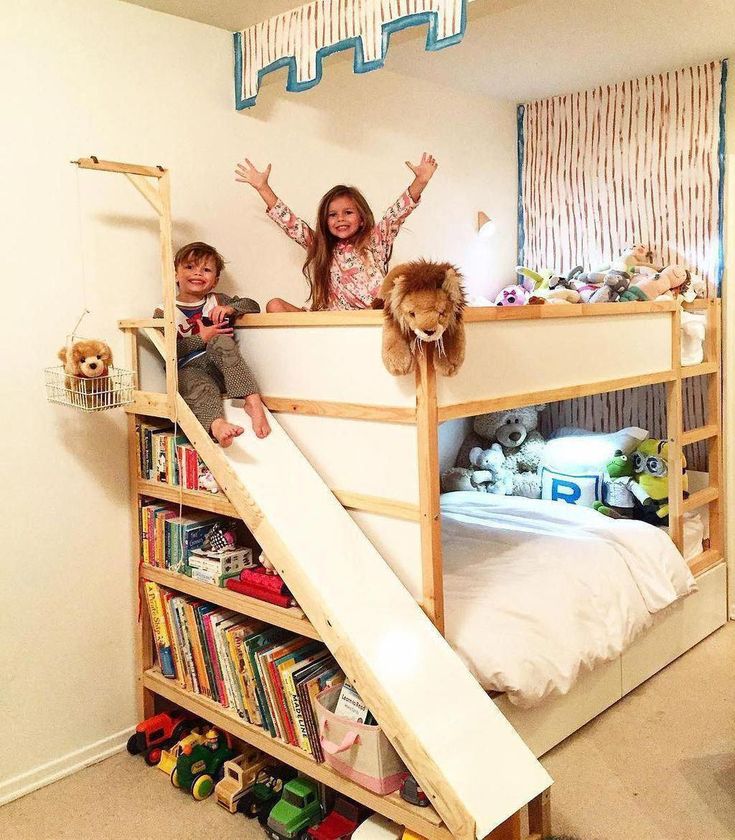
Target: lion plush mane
423 304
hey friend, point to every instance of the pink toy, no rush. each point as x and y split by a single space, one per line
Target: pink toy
517 295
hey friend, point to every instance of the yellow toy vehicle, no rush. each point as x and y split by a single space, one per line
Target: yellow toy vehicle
170 757
240 775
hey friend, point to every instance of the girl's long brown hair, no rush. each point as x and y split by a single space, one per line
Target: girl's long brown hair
321 248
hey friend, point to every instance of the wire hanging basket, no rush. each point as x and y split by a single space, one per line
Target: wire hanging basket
112 390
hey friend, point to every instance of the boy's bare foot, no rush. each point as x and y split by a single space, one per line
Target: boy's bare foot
225 432
254 407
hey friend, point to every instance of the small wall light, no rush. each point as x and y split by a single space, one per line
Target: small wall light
485 226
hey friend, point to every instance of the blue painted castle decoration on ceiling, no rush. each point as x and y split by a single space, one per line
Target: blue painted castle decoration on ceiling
300 39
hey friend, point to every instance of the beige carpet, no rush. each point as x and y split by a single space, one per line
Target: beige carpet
660 765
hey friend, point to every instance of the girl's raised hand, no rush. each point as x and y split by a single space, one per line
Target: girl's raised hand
246 173
424 169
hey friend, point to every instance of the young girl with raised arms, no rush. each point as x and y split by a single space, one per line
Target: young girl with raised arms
347 254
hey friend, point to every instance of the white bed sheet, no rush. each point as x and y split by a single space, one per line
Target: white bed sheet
536 591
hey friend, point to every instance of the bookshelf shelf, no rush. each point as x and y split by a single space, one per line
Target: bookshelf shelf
423 821
290 619
213 502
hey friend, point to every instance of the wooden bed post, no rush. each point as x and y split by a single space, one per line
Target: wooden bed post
713 353
674 432
427 427
144 635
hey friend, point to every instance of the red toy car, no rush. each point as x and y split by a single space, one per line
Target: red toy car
157 733
339 823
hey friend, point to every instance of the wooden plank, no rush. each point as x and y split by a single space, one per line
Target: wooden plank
703 369
143 633
214 502
674 432
705 561
150 404
168 280
715 469
423 821
432 574
470 409
702 433
510 829
139 323
377 504
701 498
149 193
474 314
539 814
291 619
219 503
122 168
352 411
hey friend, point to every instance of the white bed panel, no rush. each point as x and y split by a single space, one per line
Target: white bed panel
334 364
399 542
359 456
505 358
677 629
557 717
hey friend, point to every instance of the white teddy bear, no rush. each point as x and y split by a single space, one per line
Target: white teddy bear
490 473
522 445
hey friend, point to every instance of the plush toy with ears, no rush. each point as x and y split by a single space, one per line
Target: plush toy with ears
86 365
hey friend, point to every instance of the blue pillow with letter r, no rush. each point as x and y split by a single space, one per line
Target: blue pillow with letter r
574 489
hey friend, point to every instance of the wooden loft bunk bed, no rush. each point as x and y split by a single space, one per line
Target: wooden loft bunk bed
363 431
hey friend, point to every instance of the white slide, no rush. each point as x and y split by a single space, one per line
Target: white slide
466 756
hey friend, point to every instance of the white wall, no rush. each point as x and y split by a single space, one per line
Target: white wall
100 77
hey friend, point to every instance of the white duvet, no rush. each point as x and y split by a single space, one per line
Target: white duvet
537 591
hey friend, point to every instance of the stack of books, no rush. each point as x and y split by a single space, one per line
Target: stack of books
267 675
169 458
175 542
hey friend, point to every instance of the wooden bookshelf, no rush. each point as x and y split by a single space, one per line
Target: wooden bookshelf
289 618
423 821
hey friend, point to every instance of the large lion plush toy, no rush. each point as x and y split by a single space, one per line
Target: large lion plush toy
423 303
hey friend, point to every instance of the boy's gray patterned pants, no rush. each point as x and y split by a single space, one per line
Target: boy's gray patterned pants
220 370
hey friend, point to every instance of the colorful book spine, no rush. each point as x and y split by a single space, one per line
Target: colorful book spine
160 631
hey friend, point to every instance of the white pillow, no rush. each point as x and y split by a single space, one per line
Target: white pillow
574 488
588 452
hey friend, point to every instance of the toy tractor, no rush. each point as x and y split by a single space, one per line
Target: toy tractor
199 766
265 792
157 733
297 809
240 774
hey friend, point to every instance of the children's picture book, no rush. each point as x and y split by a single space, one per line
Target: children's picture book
160 630
351 706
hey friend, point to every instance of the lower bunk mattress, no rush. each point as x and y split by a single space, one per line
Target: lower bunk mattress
537 591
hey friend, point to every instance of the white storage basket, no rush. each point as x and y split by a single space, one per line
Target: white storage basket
113 390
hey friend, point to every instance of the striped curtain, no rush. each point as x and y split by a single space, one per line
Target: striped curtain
638 161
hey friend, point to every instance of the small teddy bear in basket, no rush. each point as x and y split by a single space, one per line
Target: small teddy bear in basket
87 366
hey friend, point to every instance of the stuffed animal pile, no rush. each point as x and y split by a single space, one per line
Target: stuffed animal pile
501 455
631 276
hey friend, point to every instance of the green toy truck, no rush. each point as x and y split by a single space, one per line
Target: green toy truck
198 767
297 810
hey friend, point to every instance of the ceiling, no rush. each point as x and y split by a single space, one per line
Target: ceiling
527 49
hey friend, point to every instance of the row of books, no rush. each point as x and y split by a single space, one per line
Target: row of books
168 457
167 538
267 675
